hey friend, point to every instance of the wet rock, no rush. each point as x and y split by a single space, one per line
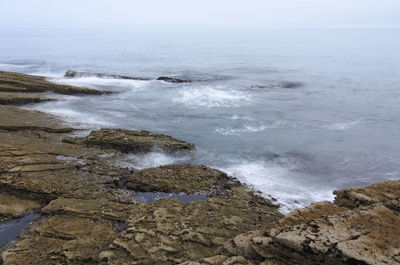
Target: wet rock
77 74
91 208
11 206
183 178
362 227
15 82
13 98
291 84
136 141
169 232
173 80
63 240
282 84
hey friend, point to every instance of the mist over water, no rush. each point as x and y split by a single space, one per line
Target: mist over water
295 114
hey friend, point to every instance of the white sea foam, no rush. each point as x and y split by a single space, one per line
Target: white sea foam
96 83
148 160
249 128
242 117
341 126
279 182
244 129
212 97
78 119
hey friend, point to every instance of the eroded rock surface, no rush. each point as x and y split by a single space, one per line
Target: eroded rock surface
130 141
361 227
183 178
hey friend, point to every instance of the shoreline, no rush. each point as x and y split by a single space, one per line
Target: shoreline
73 182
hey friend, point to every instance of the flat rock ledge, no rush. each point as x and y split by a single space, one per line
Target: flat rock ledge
131 141
361 227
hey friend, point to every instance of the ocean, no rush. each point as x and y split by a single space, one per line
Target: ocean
295 114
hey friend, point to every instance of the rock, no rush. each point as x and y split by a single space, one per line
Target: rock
173 79
281 84
77 74
13 98
183 178
15 82
90 208
387 193
169 232
11 206
291 84
63 240
136 141
362 227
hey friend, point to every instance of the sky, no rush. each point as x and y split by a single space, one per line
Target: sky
214 13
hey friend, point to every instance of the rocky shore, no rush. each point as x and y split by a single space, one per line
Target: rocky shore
88 209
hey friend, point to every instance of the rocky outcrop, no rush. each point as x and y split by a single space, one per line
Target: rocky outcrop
15 82
77 74
173 80
361 227
183 178
130 141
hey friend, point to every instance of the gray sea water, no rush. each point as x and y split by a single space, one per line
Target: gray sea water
293 113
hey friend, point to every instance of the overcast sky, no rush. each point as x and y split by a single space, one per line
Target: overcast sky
221 13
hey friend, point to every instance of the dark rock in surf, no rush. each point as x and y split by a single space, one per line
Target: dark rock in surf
283 84
76 74
173 79
289 84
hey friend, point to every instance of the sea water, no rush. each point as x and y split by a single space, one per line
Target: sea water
295 114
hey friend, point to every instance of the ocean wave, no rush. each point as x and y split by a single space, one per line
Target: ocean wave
76 118
96 83
212 97
278 182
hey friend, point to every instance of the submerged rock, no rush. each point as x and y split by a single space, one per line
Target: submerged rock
173 79
77 74
135 141
282 84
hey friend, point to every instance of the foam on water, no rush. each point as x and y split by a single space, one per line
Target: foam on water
74 117
341 126
212 97
278 182
152 159
98 83
244 129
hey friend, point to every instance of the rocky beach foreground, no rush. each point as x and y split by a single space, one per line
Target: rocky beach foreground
86 209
